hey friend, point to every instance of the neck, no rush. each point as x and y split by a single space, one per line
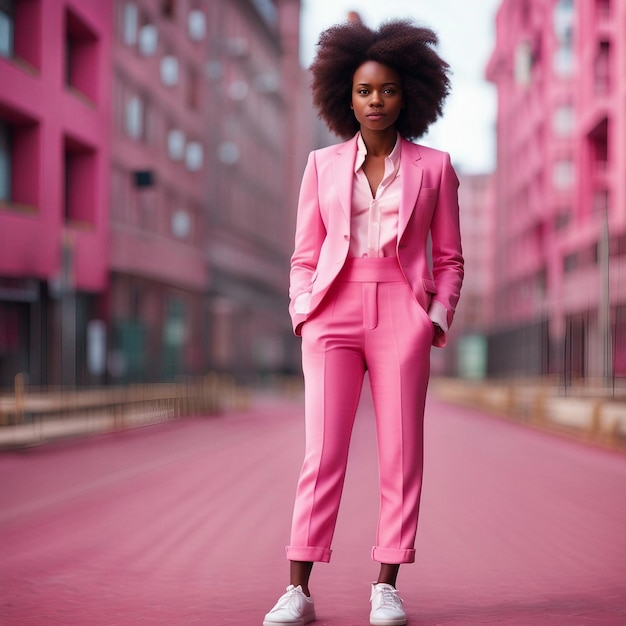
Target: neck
379 143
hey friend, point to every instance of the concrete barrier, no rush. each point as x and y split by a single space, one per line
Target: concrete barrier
593 414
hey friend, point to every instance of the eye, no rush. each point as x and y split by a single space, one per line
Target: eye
362 91
389 91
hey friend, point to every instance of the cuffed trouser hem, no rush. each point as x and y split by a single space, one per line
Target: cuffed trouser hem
393 556
308 553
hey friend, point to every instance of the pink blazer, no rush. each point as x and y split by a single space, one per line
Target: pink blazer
428 206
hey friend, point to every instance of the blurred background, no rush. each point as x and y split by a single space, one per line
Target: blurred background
150 158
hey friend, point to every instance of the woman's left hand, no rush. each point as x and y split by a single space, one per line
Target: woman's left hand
438 330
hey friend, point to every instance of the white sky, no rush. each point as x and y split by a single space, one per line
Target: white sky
467 35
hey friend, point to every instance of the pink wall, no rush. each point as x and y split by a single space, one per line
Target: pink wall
47 112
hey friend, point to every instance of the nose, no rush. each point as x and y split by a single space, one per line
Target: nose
375 100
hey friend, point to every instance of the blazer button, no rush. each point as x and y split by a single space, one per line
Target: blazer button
346 237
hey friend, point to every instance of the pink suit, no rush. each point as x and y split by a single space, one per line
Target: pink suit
369 314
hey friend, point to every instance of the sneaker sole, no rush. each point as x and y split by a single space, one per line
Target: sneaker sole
399 621
297 622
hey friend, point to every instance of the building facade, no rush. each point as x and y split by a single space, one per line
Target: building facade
558 302
54 188
149 169
258 150
158 266
467 355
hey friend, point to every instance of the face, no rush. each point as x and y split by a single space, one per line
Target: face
376 96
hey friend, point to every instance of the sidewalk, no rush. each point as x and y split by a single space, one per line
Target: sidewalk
185 522
48 430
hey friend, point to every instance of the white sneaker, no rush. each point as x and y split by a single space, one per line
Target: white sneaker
386 606
292 609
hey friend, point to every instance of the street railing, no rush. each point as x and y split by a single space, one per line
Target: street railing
31 415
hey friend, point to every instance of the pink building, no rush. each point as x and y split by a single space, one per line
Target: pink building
149 169
468 337
54 197
205 96
159 168
260 134
559 305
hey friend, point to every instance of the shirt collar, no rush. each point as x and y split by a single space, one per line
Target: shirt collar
393 156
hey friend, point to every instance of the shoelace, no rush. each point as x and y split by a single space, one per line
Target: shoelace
390 599
288 599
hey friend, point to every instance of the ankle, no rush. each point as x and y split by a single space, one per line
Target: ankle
388 574
299 574
305 589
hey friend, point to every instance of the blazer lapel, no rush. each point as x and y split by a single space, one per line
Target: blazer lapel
411 180
343 170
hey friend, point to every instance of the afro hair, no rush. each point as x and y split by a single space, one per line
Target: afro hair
399 44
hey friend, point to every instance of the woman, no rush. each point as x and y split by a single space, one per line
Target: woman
375 278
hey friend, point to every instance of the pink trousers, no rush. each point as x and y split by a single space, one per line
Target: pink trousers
369 321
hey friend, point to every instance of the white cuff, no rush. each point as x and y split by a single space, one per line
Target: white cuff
438 315
302 303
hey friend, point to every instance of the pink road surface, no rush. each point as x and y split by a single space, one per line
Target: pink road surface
185 523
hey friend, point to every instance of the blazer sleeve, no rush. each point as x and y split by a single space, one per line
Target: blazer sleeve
447 255
310 233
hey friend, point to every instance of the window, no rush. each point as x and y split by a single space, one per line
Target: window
523 63
174 337
176 144
196 25
228 153
602 68
597 146
169 70
168 8
135 117
564 61
80 181
194 156
563 17
19 160
148 40
130 24
7 23
20 30
563 174
81 58
180 224
564 31
563 120
267 10
5 161
238 90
